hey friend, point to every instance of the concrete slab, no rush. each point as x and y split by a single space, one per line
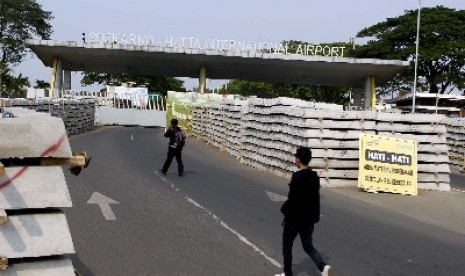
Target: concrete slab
62 267
33 137
34 187
35 235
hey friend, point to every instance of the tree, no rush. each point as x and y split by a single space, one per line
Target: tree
19 20
15 84
40 84
441 61
304 92
153 83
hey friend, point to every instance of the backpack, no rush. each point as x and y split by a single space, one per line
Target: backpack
179 139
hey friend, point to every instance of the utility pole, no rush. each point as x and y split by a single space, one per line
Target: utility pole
416 57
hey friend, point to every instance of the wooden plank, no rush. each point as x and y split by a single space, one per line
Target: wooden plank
33 137
34 187
60 267
3 217
35 235
2 169
3 264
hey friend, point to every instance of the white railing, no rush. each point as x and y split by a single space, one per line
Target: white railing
125 101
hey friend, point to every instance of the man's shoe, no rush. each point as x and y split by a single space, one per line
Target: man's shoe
327 271
181 174
163 172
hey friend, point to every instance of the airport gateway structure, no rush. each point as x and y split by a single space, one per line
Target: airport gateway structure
176 60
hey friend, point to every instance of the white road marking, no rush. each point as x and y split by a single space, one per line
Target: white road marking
276 197
104 204
132 137
241 238
164 179
457 190
224 225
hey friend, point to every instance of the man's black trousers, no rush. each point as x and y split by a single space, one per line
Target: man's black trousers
174 152
289 234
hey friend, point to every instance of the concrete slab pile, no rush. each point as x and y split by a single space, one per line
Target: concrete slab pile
200 123
35 238
78 114
272 129
456 142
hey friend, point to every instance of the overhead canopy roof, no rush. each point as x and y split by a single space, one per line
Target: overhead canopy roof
220 64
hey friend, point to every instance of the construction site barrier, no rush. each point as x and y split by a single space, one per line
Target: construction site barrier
35 238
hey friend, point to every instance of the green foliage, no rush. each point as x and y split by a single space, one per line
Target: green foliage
14 84
40 84
19 20
157 83
441 62
304 92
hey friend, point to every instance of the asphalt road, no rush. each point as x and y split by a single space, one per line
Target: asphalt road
220 220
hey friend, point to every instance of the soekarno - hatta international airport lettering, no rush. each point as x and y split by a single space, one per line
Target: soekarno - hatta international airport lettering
215 44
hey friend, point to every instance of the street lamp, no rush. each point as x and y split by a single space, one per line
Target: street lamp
416 57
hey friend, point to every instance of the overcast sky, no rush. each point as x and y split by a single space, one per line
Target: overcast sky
262 21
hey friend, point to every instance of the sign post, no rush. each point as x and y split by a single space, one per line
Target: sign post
388 164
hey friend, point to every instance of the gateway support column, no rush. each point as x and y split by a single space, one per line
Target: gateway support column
67 80
203 79
370 94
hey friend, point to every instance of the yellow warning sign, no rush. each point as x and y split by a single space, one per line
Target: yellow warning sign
388 164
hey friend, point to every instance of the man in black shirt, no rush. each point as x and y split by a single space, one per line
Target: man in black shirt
301 211
175 146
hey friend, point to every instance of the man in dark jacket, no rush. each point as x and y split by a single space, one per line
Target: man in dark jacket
175 146
301 211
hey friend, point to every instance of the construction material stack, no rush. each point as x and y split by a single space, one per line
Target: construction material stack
272 129
34 235
430 131
456 142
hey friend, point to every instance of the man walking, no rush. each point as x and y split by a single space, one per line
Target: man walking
301 211
175 145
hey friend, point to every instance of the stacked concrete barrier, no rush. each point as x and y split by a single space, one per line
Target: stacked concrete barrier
272 129
34 238
78 114
200 123
234 111
456 142
429 130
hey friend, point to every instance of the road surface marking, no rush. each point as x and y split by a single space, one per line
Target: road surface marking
224 225
457 190
276 197
241 238
132 137
104 204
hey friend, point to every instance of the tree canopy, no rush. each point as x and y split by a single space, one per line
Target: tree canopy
19 20
153 83
441 60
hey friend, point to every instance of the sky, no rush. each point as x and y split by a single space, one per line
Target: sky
261 21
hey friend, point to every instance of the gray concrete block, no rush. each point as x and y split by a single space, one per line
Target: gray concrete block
33 137
35 235
34 187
